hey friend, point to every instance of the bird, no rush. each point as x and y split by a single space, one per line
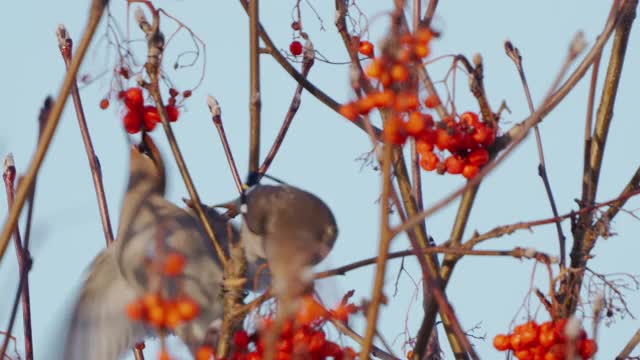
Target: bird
99 328
292 230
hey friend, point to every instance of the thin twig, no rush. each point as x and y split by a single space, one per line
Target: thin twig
375 351
216 117
254 100
14 308
307 63
514 54
23 256
66 49
381 263
24 189
518 253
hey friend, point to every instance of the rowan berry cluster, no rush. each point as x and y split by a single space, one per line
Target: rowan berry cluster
547 341
464 138
139 116
300 337
158 311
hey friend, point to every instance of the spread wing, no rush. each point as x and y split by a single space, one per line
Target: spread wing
100 329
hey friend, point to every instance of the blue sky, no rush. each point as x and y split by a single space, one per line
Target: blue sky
321 150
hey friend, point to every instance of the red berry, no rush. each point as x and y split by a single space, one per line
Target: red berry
172 113
469 118
366 48
432 101
186 94
241 339
501 342
428 161
454 165
133 98
479 157
132 122
587 348
173 92
295 48
468 172
150 117
104 103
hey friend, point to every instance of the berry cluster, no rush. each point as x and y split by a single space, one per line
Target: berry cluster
158 311
161 312
465 138
547 341
301 337
139 116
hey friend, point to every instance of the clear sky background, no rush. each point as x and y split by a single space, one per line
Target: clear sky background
320 151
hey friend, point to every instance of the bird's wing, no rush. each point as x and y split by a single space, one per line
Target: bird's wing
100 328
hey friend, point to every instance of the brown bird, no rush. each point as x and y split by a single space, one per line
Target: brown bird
292 229
100 328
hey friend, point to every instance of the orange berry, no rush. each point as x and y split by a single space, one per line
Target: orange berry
187 308
204 352
454 166
406 38
173 318
416 123
151 300
164 355
374 70
104 103
479 157
349 110
529 333
136 310
157 316
399 73
470 119
523 354
428 161
501 342
173 264
423 35
385 79
442 139
409 354
432 101
366 48
366 104
393 131
406 102
309 311
515 340
421 50
470 171
423 146
547 337
384 99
